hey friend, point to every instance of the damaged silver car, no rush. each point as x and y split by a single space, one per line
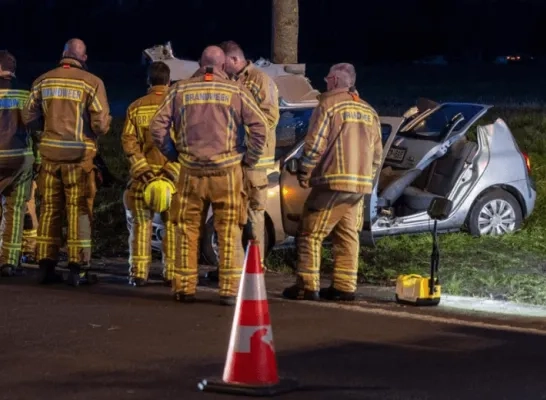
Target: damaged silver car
431 154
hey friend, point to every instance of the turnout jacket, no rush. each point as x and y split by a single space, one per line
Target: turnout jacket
16 144
206 112
266 94
343 148
137 141
73 105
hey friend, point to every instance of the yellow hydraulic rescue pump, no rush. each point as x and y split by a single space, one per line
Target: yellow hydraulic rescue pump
419 290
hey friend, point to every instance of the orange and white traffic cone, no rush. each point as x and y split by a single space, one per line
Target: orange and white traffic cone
251 363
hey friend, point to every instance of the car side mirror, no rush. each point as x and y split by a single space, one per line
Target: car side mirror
292 165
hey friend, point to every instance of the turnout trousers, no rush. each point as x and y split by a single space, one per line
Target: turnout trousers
140 246
66 189
15 193
197 190
30 228
325 212
256 187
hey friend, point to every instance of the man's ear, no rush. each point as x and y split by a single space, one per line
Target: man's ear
84 58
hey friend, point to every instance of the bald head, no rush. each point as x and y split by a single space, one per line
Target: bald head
75 48
213 56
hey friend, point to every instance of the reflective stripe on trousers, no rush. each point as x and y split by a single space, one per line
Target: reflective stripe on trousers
223 189
69 187
13 216
140 246
328 212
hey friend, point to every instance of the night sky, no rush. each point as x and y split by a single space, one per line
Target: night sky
330 30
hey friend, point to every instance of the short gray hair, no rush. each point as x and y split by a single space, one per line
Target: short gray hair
345 72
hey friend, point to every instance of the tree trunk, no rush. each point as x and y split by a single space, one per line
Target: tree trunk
285 31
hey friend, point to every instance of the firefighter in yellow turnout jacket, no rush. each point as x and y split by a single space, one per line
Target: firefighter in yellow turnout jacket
73 105
16 163
206 112
147 163
265 93
341 154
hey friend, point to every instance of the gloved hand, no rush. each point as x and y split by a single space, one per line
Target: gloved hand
146 177
304 182
168 175
244 163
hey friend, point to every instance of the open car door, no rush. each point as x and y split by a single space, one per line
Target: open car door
418 143
389 129
293 197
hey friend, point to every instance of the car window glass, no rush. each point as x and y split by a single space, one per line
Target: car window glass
433 126
386 130
291 129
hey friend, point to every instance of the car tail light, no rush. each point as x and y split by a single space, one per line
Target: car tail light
527 162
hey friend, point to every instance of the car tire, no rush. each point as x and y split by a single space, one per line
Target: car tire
486 205
209 243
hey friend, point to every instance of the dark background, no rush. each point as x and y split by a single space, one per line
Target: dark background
330 30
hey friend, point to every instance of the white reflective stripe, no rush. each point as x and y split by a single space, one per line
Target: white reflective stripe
254 287
241 343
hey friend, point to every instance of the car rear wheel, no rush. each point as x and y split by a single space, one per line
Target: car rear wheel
209 243
495 213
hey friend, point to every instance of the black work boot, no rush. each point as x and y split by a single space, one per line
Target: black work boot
332 294
137 282
47 274
183 298
74 274
228 300
296 292
78 275
9 270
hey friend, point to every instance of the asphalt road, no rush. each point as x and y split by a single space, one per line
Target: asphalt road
110 341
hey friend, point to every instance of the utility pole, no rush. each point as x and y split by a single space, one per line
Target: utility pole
285 27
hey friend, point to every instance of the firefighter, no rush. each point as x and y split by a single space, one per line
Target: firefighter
146 164
341 154
16 165
265 93
206 112
73 105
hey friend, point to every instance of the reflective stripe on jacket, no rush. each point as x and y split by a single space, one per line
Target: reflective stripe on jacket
74 108
343 147
265 92
15 140
137 141
206 112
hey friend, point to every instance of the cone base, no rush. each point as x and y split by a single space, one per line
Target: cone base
219 386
